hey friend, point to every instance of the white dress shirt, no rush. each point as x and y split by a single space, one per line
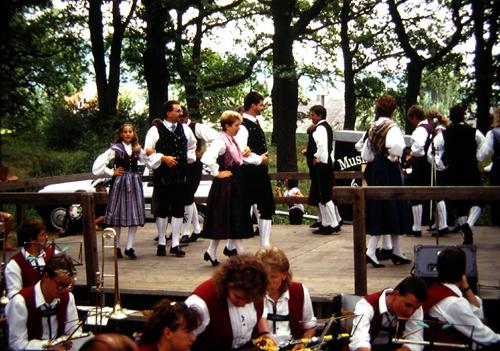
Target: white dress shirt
202 132
487 146
243 319
394 143
100 167
152 137
418 139
283 332
435 151
13 273
17 319
364 314
320 137
465 317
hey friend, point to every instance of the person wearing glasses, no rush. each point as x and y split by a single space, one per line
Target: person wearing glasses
169 145
25 268
45 311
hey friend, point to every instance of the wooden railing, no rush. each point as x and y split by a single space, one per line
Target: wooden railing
357 196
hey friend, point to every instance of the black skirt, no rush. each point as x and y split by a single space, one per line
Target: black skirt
386 216
228 214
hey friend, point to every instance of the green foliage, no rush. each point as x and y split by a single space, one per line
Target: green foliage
42 58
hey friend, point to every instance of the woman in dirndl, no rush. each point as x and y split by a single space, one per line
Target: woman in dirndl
382 150
227 216
126 197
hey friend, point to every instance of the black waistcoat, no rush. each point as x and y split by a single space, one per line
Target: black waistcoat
172 144
312 147
460 146
256 137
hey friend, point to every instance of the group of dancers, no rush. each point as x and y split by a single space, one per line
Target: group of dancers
237 158
440 154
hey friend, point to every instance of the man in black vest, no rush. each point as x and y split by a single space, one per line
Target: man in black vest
170 141
421 169
319 161
461 144
255 177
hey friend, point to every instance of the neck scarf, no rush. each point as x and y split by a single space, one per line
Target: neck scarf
233 154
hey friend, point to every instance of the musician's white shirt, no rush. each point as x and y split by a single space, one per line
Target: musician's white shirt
464 316
17 319
364 314
13 274
243 319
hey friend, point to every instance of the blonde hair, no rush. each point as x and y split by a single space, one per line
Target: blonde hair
228 118
274 259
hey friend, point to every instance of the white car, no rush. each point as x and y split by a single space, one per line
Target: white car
54 214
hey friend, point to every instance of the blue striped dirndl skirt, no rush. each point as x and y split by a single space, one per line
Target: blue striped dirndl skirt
126 201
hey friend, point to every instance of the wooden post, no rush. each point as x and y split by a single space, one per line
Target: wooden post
359 241
89 237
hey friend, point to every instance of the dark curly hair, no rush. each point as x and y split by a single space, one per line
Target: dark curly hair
169 314
243 272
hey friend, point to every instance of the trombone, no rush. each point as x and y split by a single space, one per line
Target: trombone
117 313
3 237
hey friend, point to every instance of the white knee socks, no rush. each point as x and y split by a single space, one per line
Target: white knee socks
212 248
372 246
264 232
176 230
161 227
131 236
474 214
417 217
442 215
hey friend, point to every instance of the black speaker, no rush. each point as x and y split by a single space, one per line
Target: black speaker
426 263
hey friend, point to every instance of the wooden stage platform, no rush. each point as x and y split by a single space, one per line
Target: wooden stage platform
323 263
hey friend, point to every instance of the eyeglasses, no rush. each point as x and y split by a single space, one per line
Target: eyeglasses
63 286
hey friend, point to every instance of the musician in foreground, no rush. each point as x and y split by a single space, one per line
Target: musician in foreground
376 317
452 302
25 268
45 311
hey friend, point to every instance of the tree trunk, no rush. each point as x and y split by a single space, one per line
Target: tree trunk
98 52
483 64
414 79
155 64
349 89
285 86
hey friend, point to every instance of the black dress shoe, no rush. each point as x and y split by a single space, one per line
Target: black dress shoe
161 251
119 253
441 232
228 252
194 237
417 233
207 257
315 225
177 251
184 240
131 254
399 260
383 254
326 230
373 263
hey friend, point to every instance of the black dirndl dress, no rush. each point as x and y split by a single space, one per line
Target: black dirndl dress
385 216
228 214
